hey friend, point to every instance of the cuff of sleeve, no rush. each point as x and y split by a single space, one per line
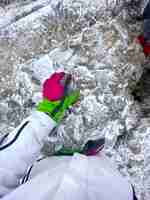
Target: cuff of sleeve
43 123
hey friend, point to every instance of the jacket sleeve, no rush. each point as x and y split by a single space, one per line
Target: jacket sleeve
21 149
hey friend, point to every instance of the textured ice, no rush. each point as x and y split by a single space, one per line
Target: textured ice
95 41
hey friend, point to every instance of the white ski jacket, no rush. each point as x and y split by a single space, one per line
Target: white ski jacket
75 177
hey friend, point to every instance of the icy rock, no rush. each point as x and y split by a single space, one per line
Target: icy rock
3 111
40 68
94 41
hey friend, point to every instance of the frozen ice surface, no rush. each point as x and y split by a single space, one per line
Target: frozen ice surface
95 41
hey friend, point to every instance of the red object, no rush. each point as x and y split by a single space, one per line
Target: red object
146 49
53 89
93 147
93 152
146 46
141 40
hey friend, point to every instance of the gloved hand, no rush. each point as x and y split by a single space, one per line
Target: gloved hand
145 45
55 98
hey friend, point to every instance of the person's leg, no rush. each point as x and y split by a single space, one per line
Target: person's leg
146 12
147 30
144 39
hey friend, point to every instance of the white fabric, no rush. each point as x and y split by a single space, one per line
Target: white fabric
15 159
76 177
